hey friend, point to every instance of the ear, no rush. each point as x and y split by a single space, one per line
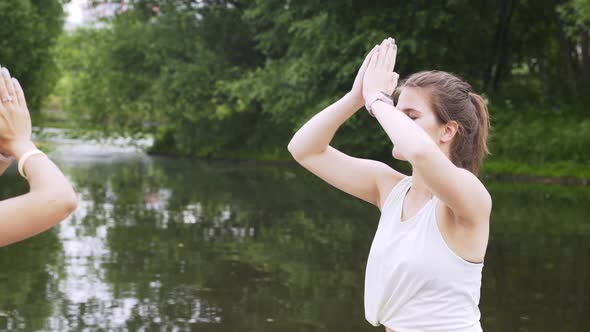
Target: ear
448 131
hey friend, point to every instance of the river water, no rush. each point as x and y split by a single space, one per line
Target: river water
164 244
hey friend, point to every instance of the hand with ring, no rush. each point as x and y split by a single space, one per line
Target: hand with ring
15 120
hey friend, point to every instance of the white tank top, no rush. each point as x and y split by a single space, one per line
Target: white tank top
414 281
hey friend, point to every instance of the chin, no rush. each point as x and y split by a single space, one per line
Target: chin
395 153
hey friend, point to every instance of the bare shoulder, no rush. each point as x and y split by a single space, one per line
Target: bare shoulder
386 180
467 234
482 202
468 199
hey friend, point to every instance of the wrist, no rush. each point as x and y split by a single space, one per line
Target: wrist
376 97
355 99
23 159
20 148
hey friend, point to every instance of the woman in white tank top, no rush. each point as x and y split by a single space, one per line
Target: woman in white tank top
424 267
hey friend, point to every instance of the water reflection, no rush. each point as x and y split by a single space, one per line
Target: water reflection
183 245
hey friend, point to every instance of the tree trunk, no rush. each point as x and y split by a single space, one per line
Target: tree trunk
500 48
567 51
585 64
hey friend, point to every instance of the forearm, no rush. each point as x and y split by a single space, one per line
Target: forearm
411 140
51 197
30 214
42 174
315 135
50 200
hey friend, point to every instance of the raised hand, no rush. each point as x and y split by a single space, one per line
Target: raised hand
15 120
357 87
379 75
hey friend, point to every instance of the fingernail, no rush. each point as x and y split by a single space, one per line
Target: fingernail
15 81
5 72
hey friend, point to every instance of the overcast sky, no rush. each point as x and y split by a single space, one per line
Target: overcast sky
74 13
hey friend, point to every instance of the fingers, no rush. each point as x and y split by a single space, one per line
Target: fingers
383 49
387 53
10 89
20 95
3 91
8 84
394 78
375 57
391 56
368 59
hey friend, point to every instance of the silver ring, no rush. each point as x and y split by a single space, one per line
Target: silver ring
7 99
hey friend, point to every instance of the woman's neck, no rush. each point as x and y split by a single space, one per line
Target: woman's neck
419 189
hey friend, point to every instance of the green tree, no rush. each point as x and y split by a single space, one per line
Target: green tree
28 31
237 78
574 39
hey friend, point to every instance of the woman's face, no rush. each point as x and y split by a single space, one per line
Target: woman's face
413 102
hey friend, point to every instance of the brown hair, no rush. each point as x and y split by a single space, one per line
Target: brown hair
453 99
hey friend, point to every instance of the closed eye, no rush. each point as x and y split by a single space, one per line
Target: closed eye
411 113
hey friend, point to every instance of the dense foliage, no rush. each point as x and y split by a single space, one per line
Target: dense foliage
237 78
28 31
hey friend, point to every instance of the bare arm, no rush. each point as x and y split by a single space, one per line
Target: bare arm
366 179
50 200
460 189
315 135
457 187
51 197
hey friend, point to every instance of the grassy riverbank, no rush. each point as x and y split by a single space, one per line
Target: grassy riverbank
546 142
549 143
543 143
566 170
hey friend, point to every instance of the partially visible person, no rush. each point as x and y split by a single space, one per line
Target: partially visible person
51 197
